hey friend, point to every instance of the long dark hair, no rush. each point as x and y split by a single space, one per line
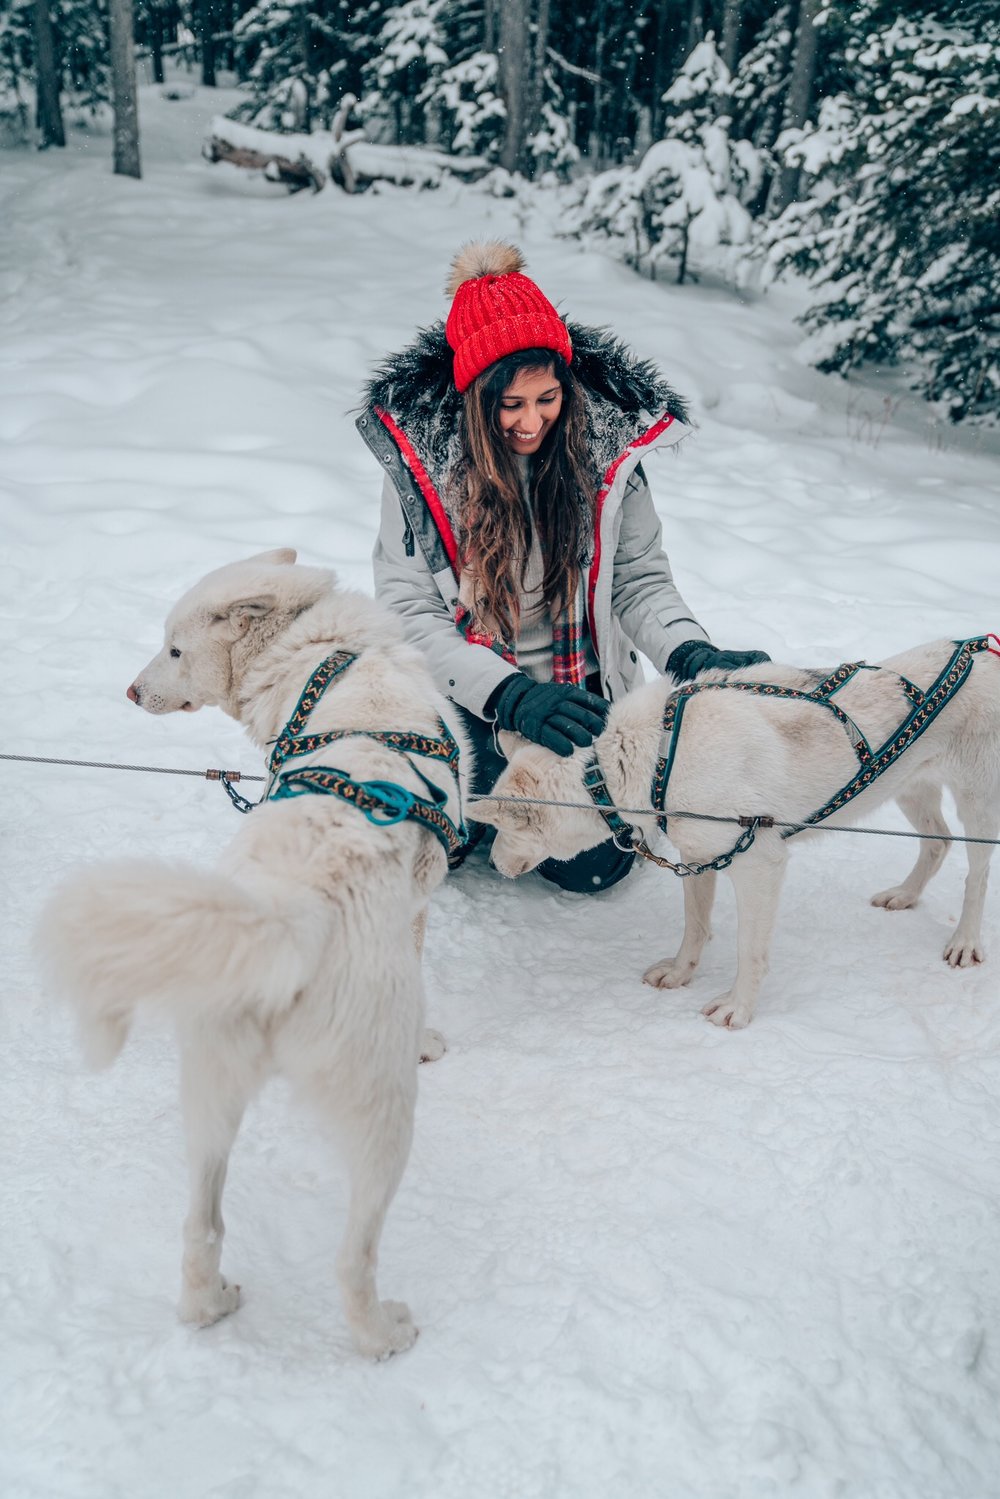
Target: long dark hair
494 524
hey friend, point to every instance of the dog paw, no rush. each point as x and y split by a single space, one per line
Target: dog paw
899 898
432 1045
963 952
669 974
206 1305
392 1331
724 1010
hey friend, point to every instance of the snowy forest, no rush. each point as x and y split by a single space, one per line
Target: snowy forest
855 145
648 1256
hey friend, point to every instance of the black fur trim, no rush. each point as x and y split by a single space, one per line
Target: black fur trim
416 386
420 376
607 368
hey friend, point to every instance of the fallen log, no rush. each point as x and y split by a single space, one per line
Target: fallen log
295 175
344 156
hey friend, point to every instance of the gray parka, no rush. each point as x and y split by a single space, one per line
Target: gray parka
411 422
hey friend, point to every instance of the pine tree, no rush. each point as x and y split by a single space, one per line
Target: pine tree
410 54
300 57
17 55
900 236
83 47
684 196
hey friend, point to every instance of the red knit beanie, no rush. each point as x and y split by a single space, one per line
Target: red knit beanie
497 310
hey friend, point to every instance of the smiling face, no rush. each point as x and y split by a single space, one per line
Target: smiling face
529 408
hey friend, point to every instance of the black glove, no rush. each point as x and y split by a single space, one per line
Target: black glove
556 714
690 659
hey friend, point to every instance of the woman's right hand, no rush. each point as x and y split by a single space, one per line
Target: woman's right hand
558 715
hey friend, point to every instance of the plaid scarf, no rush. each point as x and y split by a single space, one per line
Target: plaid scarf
569 635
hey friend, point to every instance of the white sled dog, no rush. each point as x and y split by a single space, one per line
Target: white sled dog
741 753
296 956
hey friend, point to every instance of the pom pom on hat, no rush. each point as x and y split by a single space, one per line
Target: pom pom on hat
489 257
497 310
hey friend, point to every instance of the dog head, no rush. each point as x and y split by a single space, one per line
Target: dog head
528 832
219 626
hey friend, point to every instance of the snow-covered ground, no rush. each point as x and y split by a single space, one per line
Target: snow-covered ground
647 1257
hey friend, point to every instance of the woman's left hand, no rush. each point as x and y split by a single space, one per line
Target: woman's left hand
693 657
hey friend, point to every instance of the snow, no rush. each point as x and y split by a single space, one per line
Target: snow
647 1257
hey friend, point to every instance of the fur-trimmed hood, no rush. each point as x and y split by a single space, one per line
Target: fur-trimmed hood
623 394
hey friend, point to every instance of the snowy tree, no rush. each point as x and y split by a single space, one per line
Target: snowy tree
83 47
300 57
698 94
432 81
17 54
402 76
684 197
798 98
58 50
552 146
759 86
673 205
467 102
900 233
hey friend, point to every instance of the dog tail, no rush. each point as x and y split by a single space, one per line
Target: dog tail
181 939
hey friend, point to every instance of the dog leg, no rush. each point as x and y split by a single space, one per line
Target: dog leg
980 820
922 808
757 882
377 1153
432 1044
215 1098
673 973
419 928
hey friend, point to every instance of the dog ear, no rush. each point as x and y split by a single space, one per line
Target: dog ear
518 781
239 614
281 557
497 814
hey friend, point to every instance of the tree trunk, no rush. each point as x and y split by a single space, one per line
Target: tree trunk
157 22
207 27
732 25
536 96
515 70
800 86
50 120
123 90
491 25
667 56
597 120
696 26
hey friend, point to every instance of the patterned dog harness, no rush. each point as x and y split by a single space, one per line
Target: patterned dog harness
924 708
382 802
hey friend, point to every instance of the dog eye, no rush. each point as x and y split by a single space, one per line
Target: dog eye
174 651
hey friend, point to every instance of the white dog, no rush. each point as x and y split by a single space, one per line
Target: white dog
296 956
740 753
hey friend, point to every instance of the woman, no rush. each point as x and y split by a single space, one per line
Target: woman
518 543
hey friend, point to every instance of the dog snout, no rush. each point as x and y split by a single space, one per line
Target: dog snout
134 694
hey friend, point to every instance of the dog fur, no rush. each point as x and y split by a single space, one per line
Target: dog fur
744 754
295 955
